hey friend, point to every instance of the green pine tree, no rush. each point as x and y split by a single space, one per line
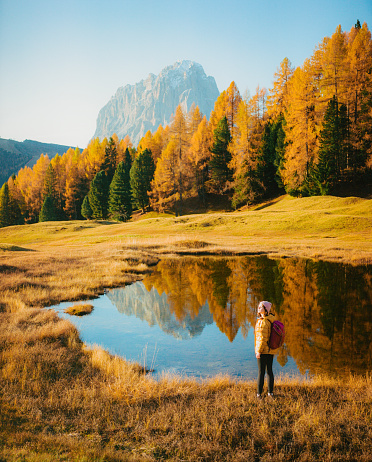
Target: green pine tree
49 182
141 175
344 127
248 187
4 206
98 196
221 174
271 155
50 189
86 210
10 211
319 178
332 157
49 211
109 162
120 198
280 151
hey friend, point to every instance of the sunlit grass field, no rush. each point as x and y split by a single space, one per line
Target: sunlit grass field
63 401
328 227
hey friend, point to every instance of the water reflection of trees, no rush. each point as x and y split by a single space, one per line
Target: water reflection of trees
326 307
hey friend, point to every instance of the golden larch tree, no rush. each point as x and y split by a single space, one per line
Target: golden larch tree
302 127
277 99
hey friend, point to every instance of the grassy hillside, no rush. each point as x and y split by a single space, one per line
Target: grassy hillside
329 227
14 155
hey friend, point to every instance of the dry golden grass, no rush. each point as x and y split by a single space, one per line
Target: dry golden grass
79 310
62 401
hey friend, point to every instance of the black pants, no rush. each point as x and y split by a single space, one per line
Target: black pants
265 362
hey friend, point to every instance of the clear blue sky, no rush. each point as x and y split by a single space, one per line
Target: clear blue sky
62 60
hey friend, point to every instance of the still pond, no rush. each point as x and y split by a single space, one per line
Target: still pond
196 316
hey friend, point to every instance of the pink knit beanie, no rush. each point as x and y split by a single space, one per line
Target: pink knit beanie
266 305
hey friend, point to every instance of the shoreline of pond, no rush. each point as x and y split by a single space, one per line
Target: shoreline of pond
183 296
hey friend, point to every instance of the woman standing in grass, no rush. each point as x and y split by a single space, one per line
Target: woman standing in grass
264 355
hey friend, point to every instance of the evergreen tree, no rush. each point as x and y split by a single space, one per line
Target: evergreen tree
199 155
16 216
319 179
86 210
330 142
98 196
120 198
280 147
333 146
141 175
271 156
109 162
4 206
219 164
248 187
50 189
344 147
48 211
10 212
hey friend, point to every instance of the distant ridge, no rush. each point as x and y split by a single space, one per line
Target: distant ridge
135 109
15 155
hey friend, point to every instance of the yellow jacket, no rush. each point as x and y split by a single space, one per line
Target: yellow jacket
262 334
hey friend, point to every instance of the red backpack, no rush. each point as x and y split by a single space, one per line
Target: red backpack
277 335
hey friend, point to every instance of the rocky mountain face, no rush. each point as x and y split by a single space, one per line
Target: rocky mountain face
135 109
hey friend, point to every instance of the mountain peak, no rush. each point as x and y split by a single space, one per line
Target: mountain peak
135 109
185 65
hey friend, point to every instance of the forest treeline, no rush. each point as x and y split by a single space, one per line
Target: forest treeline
307 135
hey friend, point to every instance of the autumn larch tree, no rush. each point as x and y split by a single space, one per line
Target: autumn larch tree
76 185
165 186
359 95
247 150
303 118
233 100
277 100
180 134
199 155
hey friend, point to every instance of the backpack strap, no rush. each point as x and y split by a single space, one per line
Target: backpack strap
268 340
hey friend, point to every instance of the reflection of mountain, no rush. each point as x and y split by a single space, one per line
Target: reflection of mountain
149 306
